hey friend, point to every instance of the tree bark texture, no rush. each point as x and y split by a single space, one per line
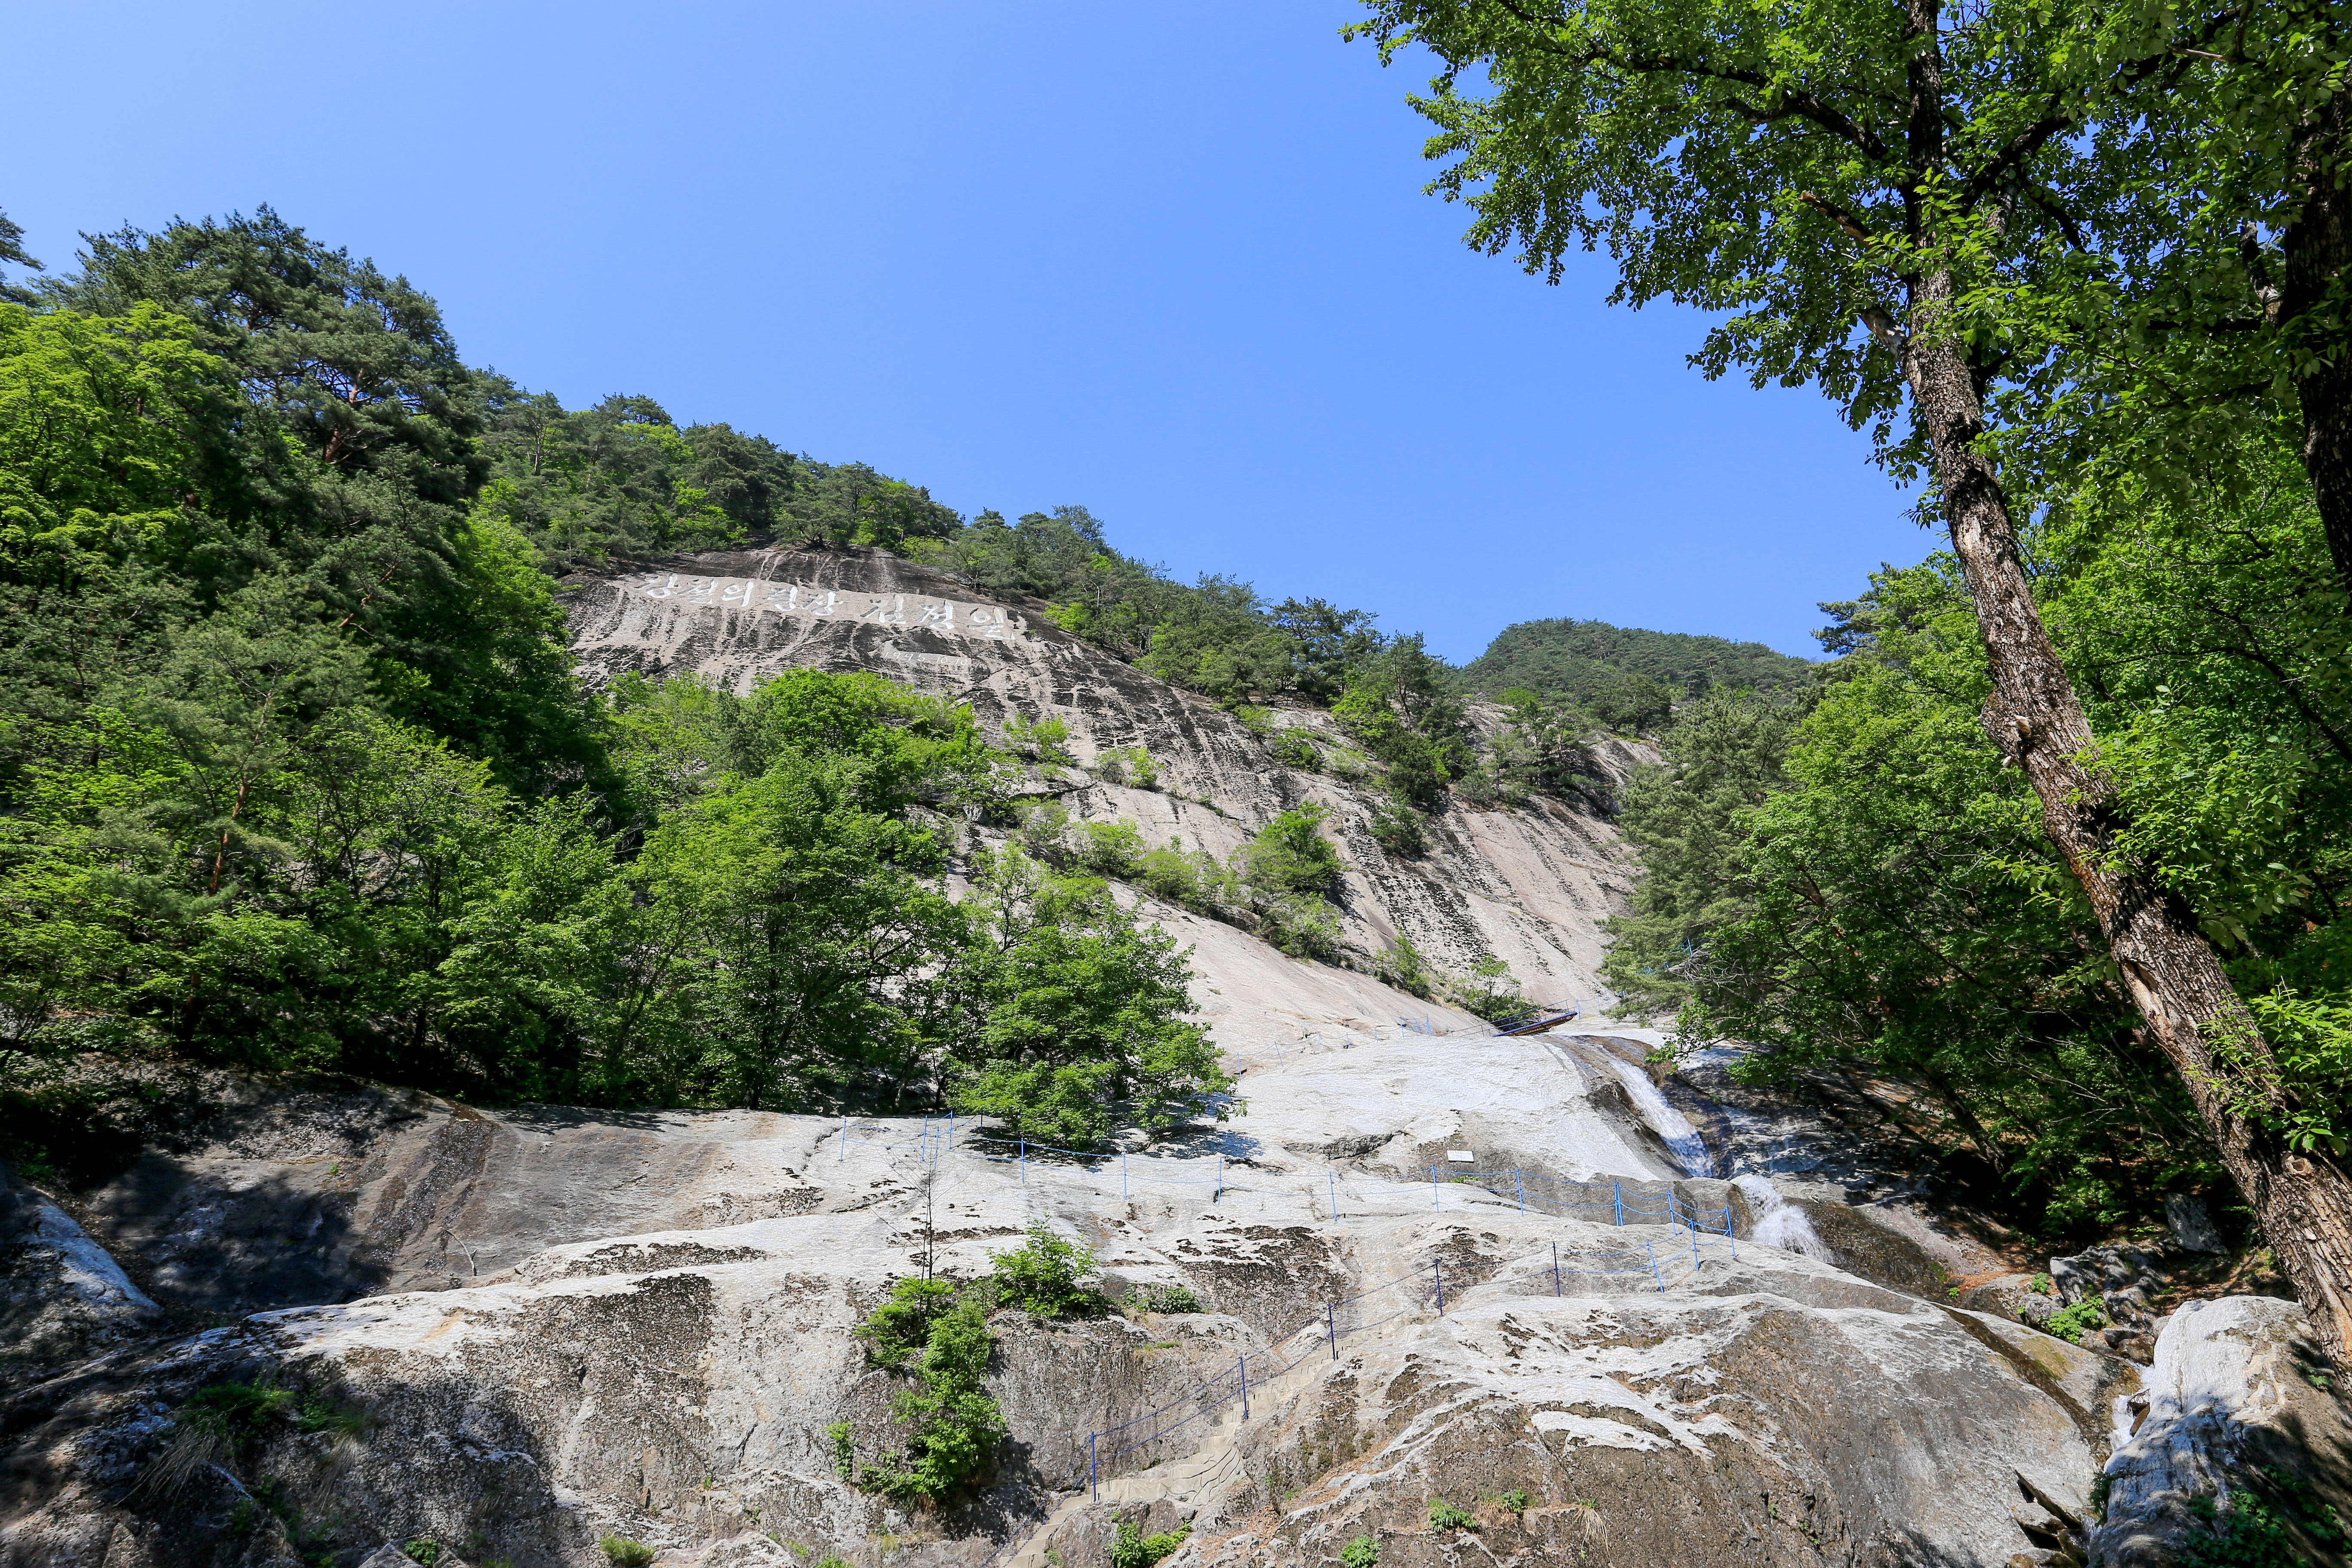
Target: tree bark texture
2304 1203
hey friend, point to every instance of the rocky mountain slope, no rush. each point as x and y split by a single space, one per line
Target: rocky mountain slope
1460 1297
1529 885
567 1325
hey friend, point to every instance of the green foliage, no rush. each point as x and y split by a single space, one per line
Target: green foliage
1399 706
1489 990
1866 881
1215 636
1726 753
902 1325
1133 1549
845 1451
1168 1299
1623 676
1128 766
1045 739
243 1416
1292 749
1364 1551
1515 1500
1400 964
2040 1286
1288 855
1085 1024
1444 1515
1397 827
623 1553
2273 1523
2071 1323
1112 848
1046 1277
954 1427
429 1552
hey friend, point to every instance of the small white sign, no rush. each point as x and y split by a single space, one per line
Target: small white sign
1462 1156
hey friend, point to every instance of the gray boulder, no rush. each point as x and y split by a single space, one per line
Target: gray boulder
2192 1228
2230 1408
2122 1277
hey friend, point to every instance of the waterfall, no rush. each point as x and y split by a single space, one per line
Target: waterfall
1668 1123
1774 1221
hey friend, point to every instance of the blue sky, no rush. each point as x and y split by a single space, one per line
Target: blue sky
1171 263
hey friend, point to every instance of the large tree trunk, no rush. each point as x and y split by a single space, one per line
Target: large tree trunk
2319 252
2304 1203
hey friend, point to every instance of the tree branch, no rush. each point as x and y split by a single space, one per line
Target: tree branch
1795 105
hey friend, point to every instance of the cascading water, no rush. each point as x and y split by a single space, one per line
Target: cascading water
1668 1123
1774 1221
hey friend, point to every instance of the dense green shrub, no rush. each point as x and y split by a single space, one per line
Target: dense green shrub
1133 1549
1046 1277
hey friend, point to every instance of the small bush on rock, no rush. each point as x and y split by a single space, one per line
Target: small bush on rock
1110 848
1444 1515
428 1552
1164 1299
1133 1549
1046 1277
902 1325
1362 1552
623 1553
2077 1320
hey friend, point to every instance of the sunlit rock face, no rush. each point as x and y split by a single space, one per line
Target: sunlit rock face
640 1325
1530 886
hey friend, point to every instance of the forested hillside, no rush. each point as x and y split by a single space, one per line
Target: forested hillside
295 770
1624 677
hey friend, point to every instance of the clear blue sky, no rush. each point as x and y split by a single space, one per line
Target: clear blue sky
1169 262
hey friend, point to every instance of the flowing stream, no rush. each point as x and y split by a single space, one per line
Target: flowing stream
1668 1123
1774 1221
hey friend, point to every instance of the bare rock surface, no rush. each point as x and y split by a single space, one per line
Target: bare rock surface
653 1336
2230 1406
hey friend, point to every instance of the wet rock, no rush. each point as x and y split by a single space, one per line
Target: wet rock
2192 1228
2231 1406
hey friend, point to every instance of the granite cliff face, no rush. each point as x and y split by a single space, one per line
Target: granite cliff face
1529 885
515 1333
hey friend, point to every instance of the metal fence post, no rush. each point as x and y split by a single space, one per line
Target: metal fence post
1331 1327
1122 1174
1220 1180
1652 1257
951 1130
1555 1268
1437 1272
1092 1485
1620 1194
1522 1183
1024 1157
1333 1177
844 1139
1244 1362
1694 1251
1433 1188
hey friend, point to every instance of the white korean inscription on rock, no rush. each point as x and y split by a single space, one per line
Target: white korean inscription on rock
827 603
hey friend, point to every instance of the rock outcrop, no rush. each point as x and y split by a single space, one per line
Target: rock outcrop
1529 885
650 1337
2236 1441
